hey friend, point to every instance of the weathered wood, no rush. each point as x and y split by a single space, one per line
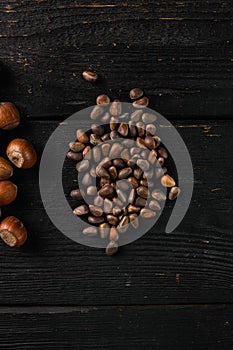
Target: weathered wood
191 265
137 327
180 52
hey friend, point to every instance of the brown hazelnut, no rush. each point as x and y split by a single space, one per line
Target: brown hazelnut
21 153
9 116
8 192
13 232
6 169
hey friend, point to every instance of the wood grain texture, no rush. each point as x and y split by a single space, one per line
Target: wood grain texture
140 328
194 264
180 52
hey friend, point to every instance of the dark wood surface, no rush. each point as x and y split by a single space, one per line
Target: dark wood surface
164 291
123 327
179 52
193 264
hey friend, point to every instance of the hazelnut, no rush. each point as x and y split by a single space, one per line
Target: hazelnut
6 169
21 153
13 232
9 116
8 192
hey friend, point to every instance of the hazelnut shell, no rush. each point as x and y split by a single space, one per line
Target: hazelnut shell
9 116
21 153
13 232
6 169
8 192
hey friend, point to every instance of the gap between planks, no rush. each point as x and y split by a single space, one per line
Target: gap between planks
86 308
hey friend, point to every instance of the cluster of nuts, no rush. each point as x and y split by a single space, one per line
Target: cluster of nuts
22 154
126 171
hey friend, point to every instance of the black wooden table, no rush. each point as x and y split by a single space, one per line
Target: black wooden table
164 291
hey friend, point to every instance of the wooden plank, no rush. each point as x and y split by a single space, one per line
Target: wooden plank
194 264
137 327
180 52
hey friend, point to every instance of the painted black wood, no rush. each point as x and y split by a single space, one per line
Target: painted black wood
194 264
180 52
137 327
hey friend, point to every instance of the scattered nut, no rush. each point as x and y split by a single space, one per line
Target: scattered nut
141 103
174 193
102 100
90 76
135 93
167 181
126 174
111 248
